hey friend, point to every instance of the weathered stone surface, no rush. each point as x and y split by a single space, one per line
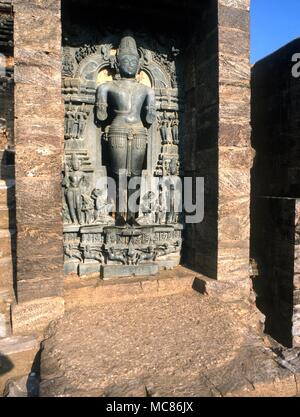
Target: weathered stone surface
221 356
234 18
38 197
239 4
43 242
6 276
34 316
113 291
40 286
7 192
7 243
26 386
39 137
16 357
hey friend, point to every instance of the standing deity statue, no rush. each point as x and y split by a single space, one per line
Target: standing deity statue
73 182
132 106
174 127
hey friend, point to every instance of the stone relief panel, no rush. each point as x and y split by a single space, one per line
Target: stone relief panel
98 237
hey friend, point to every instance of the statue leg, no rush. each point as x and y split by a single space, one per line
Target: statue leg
70 201
78 206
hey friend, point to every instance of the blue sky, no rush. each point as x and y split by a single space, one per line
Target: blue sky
274 23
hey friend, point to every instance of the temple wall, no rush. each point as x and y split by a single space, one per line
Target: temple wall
39 147
274 193
221 150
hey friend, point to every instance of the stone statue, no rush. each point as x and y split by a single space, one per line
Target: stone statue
174 127
148 209
132 106
73 181
102 208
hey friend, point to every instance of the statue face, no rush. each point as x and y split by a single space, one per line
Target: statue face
129 65
76 165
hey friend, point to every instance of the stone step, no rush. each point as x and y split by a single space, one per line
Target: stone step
87 292
17 357
7 192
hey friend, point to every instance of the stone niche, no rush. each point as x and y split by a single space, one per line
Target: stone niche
196 58
91 36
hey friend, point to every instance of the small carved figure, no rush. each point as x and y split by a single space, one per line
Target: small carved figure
113 256
102 208
88 208
72 182
147 255
72 252
148 209
93 254
164 124
161 206
82 118
174 128
132 255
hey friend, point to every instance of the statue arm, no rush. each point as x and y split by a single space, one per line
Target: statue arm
101 102
150 107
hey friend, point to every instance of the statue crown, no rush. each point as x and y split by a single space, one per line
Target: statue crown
128 46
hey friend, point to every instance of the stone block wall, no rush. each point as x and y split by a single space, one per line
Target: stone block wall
6 81
39 148
219 98
275 189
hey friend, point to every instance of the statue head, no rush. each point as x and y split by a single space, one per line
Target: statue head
75 162
128 58
173 166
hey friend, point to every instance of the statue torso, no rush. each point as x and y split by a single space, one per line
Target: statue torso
126 98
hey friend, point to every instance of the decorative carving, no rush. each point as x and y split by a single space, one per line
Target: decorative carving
113 121
73 182
102 208
68 65
84 51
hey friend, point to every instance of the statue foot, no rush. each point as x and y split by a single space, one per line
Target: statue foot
132 222
120 221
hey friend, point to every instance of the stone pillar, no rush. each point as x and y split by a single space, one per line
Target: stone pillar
218 139
39 122
234 149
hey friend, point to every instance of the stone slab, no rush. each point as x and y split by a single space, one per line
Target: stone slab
112 271
89 268
17 355
34 316
70 267
91 292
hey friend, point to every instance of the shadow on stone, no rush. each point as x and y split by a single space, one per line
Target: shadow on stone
6 364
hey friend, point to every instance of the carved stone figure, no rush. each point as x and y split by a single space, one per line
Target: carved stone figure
88 208
161 206
174 128
93 254
113 256
72 252
127 100
72 182
102 208
164 124
148 209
